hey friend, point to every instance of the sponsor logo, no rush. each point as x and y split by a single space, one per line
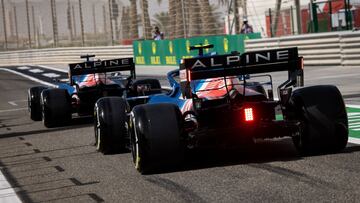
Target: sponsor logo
171 50
140 48
250 58
153 47
187 44
226 45
106 63
206 42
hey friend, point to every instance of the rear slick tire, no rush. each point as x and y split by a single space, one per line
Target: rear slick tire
110 125
34 104
322 111
56 107
156 137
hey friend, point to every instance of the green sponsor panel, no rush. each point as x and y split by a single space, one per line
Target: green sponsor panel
354 121
142 52
170 52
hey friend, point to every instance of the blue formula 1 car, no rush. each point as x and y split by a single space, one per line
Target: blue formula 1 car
215 101
88 81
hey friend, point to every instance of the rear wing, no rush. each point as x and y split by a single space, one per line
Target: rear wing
91 67
266 61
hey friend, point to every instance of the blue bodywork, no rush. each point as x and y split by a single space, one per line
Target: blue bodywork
174 97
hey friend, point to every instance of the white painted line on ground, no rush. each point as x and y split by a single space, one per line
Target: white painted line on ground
354 120
352 106
356 129
36 70
354 140
52 68
7 193
354 116
10 110
21 100
51 75
12 103
29 77
355 125
23 68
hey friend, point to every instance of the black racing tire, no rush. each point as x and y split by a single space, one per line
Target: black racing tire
111 124
56 107
322 111
156 141
34 104
155 87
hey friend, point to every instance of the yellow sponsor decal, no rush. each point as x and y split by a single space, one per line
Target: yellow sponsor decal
140 60
153 47
206 42
171 60
171 49
226 45
155 60
187 46
139 48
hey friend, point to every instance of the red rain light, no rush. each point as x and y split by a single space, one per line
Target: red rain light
249 115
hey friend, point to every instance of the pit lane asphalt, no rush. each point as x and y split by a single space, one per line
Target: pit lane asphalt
61 165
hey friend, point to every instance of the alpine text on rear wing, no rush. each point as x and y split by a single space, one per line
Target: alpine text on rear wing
265 61
113 65
246 63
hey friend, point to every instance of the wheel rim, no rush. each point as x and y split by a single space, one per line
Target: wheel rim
97 131
98 141
135 144
29 104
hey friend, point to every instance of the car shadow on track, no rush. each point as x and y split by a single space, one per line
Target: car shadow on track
266 151
76 123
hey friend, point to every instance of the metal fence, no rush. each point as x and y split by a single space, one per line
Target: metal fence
28 24
313 17
321 49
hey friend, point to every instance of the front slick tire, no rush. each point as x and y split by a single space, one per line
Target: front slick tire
156 137
323 114
110 125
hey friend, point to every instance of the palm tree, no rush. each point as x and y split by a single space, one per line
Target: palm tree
125 23
172 15
179 28
134 33
145 18
207 19
194 19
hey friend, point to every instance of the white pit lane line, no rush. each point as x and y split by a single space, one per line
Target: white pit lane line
15 102
7 193
36 70
51 75
52 68
29 77
12 103
23 68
